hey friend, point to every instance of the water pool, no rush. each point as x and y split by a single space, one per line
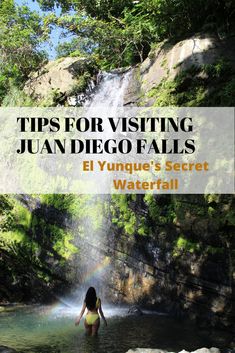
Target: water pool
44 329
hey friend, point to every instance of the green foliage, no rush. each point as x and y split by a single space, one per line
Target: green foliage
161 213
125 217
114 33
37 232
82 83
12 237
6 216
17 98
214 250
218 70
96 8
179 18
122 215
23 217
61 242
189 207
76 47
209 85
63 203
227 94
83 209
230 217
110 42
20 36
122 33
183 244
33 244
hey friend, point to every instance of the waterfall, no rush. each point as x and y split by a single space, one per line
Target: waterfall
110 91
94 260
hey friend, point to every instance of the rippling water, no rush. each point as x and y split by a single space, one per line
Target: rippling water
51 329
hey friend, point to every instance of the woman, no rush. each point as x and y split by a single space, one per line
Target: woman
93 306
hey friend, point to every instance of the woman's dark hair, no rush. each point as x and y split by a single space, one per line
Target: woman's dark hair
91 298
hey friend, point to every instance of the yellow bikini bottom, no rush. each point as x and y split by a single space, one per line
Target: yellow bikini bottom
91 318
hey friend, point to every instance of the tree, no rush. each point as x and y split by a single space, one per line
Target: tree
20 37
122 32
97 9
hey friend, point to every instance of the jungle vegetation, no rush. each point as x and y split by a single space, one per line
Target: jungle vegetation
114 33
37 232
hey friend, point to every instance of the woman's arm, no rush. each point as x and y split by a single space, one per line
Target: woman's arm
81 314
102 314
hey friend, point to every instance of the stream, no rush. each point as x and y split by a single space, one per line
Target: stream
49 329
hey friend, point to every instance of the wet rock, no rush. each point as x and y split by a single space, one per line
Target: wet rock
132 93
4 349
135 310
120 70
148 350
190 284
231 350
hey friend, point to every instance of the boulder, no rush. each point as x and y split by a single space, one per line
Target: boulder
135 310
60 77
169 59
149 350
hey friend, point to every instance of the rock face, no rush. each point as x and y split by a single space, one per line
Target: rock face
169 59
72 79
60 77
167 272
135 310
147 350
151 271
